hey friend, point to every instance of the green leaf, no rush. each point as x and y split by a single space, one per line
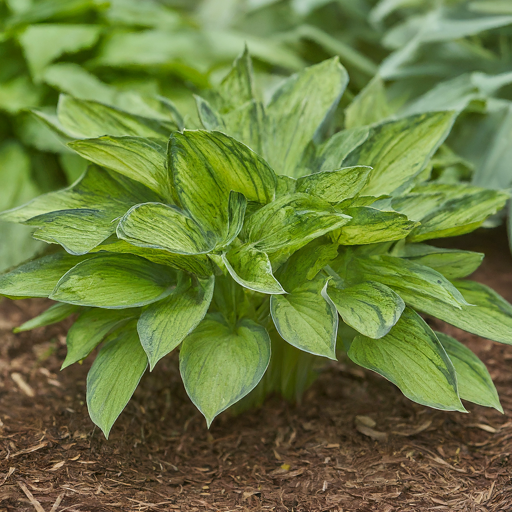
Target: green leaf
285 185
74 80
140 159
332 153
165 324
291 219
237 88
237 206
370 308
453 94
412 358
335 186
473 379
142 14
52 315
207 166
15 174
114 376
219 365
460 215
488 146
251 269
489 316
297 111
413 282
19 93
83 215
242 115
84 119
452 263
418 206
369 106
159 226
491 6
369 225
18 187
210 118
91 328
399 150
304 264
115 281
78 231
199 265
44 43
307 319
246 123
37 278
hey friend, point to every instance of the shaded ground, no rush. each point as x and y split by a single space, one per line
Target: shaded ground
314 457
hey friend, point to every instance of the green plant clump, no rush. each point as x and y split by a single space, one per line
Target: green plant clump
258 246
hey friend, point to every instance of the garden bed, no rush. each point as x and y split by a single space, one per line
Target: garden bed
355 443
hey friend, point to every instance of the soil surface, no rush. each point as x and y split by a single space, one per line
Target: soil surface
354 444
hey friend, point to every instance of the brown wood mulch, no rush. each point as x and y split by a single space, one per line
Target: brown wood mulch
355 443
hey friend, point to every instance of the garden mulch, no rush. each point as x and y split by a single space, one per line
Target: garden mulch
354 444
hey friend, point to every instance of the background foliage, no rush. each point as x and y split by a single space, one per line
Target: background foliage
455 54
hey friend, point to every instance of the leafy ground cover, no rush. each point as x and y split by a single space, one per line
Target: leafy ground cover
314 457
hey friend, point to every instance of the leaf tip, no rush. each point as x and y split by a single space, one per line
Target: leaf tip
106 431
332 356
152 362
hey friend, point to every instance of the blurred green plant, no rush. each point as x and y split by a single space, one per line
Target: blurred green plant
123 53
259 245
430 55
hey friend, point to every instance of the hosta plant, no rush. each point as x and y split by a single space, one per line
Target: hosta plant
260 246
